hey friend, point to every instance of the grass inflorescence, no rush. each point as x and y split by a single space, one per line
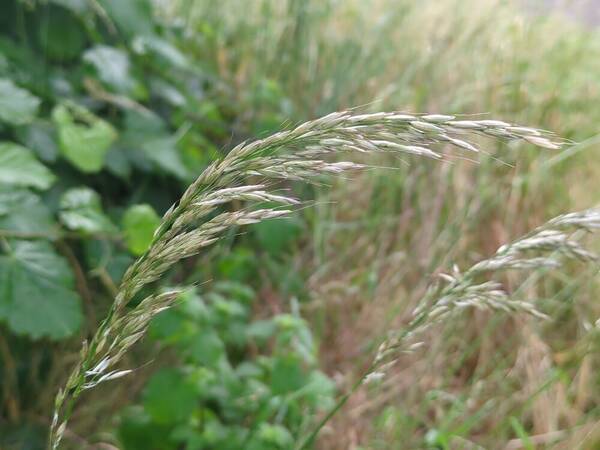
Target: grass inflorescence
304 153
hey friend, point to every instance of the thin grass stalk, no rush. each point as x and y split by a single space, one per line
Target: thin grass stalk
551 244
546 247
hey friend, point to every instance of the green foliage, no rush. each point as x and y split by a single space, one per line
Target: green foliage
17 105
170 396
37 296
139 224
90 118
81 210
22 211
112 67
224 396
19 167
277 236
106 113
85 142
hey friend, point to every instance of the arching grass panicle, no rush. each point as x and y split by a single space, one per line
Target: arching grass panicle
546 247
303 153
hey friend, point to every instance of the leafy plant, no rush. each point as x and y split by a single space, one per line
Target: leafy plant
218 398
95 136
70 88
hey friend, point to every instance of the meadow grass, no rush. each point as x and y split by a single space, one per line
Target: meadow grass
379 239
492 381
196 222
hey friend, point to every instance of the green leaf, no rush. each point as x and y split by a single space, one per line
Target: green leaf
85 142
163 152
170 327
78 7
274 435
117 162
19 167
261 330
170 396
17 105
112 67
62 37
276 236
40 136
238 265
205 348
36 291
81 210
169 54
320 390
149 133
132 16
137 431
107 255
23 211
168 92
139 224
287 375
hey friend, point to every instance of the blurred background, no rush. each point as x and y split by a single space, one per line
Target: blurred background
110 108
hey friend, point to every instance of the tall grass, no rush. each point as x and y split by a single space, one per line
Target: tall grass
481 379
197 220
380 238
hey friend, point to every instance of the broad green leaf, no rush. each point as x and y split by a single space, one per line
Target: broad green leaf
112 67
40 136
132 16
79 7
205 348
169 54
85 142
36 291
17 105
19 167
63 36
170 396
276 236
235 290
287 375
167 92
170 326
81 210
238 265
107 255
139 224
261 330
274 435
137 431
24 212
4 65
149 133
320 389
141 127
163 152
118 163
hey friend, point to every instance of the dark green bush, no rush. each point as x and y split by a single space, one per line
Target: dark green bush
107 111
